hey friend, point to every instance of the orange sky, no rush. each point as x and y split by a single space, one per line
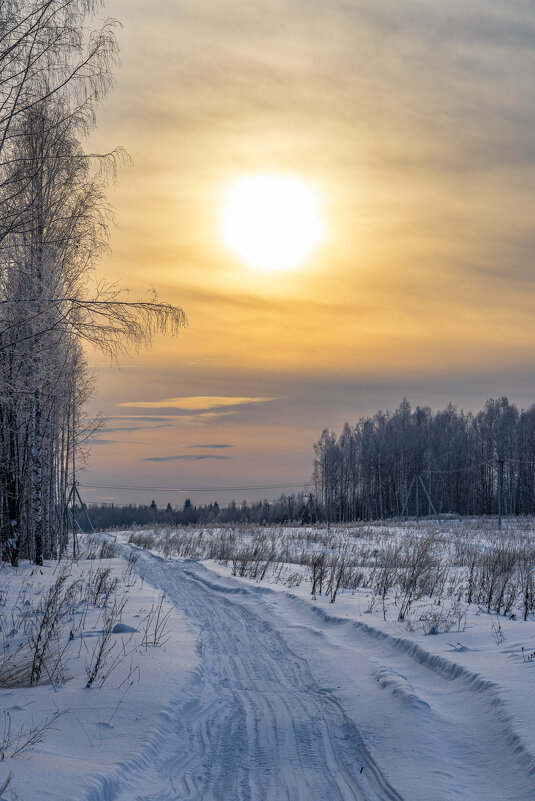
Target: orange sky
413 122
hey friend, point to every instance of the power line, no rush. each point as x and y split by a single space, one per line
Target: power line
480 464
460 469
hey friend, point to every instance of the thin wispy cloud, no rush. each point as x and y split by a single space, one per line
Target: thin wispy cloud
218 445
138 427
194 403
205 415
178 417
186 457
149 418
99 441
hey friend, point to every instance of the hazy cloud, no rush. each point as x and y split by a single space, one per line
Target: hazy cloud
138 428
140 418
186 457
210 446
415 122
99 441
194 403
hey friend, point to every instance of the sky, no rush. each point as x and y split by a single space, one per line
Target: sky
412 123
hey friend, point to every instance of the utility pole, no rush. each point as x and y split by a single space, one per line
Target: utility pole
500 491
405 507
428 496
418 480
309 510
380 489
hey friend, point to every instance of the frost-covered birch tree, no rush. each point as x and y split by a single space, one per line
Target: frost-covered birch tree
53 230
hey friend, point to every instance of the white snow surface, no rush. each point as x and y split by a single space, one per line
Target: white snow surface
100 726
264 694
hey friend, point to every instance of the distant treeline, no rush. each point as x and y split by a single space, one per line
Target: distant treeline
406 462
287 508
384 463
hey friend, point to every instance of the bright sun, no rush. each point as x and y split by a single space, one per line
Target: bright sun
272 222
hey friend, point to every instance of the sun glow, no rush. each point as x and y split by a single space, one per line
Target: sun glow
272 222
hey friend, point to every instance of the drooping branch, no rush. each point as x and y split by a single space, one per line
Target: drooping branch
111 325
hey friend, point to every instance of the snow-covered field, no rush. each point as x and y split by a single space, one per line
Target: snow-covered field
81 732
409 686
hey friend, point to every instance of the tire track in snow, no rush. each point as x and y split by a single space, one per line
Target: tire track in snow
471 734
255 727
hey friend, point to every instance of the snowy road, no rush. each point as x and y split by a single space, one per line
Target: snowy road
274 713
256 727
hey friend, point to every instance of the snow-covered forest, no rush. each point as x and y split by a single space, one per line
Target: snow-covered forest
54 226
418 462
